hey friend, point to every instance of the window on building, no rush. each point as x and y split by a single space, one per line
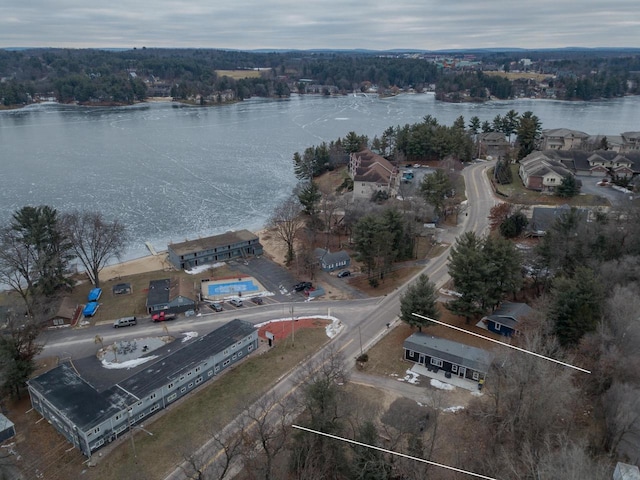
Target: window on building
155 407
475 375
226 351
172 397
436 362
217 369
497 326
198 380
454 368
250 347
240 353
141 416
234 357
197 369
170 386
209 373
183 389
226 362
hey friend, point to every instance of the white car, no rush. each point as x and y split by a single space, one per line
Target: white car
236 302
416 165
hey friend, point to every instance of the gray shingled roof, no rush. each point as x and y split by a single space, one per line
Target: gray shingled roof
209 243
331 257
450 351
510 313
91 394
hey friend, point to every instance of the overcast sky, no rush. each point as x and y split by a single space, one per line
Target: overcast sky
334 24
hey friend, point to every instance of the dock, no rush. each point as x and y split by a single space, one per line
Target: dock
151 249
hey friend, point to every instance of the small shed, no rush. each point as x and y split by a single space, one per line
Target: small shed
7 428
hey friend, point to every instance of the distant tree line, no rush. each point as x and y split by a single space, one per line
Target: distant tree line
121 76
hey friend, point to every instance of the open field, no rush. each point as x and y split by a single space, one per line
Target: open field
239 74
538 77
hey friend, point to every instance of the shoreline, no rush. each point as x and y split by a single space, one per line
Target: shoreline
160 261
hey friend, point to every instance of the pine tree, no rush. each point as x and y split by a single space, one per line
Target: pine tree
419 298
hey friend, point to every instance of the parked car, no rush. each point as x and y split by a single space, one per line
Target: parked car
125 322
163 316
298 287
344 273
257 300
236 302
216 307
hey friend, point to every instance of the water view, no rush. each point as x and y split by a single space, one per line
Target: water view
172 172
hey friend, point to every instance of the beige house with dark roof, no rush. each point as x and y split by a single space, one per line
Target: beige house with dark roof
371 173
539 172
562 139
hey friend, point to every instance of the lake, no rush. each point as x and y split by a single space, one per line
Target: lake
172 172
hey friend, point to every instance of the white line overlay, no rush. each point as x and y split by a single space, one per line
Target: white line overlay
501 343
342 439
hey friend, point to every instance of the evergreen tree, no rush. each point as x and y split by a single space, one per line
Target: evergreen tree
568 187
467 270
309 195
576 305
529 129
435 188
420 297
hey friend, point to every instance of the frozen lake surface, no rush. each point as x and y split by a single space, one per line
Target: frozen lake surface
172 172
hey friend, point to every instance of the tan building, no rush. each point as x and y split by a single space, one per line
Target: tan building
371 173
539 172
562 139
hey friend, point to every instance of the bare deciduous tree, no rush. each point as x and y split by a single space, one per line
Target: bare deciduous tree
94 240
286 221
265 435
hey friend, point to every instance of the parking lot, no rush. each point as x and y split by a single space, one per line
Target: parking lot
589 186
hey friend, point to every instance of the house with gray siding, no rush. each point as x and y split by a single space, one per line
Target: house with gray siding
91 406
332 261
171 295
217 248
437 354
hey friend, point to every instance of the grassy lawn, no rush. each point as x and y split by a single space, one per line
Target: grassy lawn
391 281
190 421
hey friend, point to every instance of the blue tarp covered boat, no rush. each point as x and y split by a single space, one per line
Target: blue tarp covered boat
90 309
95 294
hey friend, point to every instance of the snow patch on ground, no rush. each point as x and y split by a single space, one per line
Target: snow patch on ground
441 385
410 377
453 409
128 363
477 394
203 268
188 336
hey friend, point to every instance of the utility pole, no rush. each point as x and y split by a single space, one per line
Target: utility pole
293 330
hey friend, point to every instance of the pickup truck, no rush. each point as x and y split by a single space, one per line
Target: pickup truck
163 317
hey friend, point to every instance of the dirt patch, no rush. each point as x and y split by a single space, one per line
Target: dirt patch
388 284
284 329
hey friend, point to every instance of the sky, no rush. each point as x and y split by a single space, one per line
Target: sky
319 24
